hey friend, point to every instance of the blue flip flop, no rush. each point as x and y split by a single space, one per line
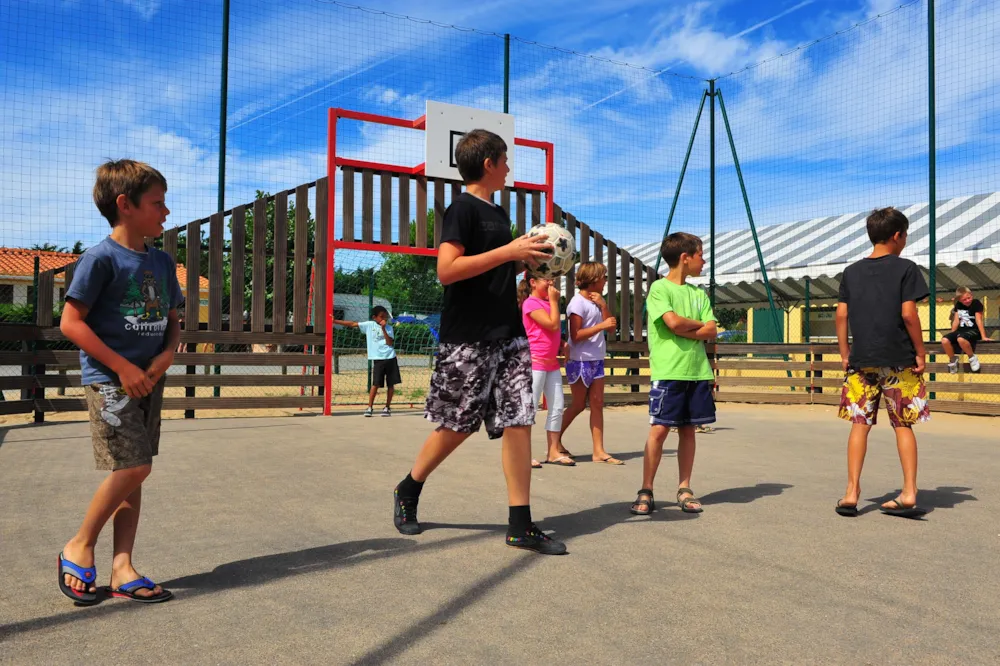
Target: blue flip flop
88 575
127 591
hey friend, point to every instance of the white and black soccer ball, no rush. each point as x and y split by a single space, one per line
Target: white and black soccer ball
564 254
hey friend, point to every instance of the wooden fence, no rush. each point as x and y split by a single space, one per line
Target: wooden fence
247 246
803 374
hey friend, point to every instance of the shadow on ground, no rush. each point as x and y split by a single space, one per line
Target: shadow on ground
942 497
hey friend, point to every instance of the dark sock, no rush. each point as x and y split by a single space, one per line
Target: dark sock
520 519
409 487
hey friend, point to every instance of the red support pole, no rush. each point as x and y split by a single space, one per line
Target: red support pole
550 168
331 181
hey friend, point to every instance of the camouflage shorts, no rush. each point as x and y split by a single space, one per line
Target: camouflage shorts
125 432
482 381
903 390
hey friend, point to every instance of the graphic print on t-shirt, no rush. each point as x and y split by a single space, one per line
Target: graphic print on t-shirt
145 305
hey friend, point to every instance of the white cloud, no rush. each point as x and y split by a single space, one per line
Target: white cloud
147 9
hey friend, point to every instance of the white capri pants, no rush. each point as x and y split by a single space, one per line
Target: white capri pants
549 382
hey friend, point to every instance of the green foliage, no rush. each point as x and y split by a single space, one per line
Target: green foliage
51 247
133 301
731 318
409 282
17 314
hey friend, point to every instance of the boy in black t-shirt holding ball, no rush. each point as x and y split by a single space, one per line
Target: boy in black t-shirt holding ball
483 367
878 300
966 330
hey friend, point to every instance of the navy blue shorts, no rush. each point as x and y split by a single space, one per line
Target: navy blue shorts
675 402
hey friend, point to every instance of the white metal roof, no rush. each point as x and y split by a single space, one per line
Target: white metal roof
968 249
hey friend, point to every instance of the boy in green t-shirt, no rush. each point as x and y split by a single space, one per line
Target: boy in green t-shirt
680 321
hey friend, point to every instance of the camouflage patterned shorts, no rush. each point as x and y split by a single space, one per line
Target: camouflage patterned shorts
482 381
904 391
125 432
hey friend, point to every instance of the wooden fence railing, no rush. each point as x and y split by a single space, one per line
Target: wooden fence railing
280 267
803 374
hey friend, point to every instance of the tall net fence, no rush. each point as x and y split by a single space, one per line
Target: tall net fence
823 134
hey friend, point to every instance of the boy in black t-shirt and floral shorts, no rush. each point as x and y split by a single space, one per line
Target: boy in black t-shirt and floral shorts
483 367
878 299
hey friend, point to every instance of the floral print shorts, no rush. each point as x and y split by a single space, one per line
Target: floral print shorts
904 391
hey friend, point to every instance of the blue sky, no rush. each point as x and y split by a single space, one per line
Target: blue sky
833 128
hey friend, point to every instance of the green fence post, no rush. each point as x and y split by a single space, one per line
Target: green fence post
506 73
931 180
711 192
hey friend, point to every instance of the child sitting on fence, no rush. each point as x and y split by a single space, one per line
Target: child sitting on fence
589 318
967 330
878 304
680 395
127 339
539 301
382 353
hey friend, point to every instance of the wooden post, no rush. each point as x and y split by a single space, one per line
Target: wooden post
347 223
404 211
279 279
385 212
258 279
300 272
192 298
421 240
237 255
367 206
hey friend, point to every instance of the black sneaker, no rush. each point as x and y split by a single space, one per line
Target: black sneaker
404 513
534 539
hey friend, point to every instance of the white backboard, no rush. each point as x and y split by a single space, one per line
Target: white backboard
447 123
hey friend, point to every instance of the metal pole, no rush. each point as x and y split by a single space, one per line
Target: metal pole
506 73
680 179
746 203
221 201
711 190
371 304
223 103
932 171
808 330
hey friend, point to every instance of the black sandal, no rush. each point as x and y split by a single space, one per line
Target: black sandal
686 503
641 501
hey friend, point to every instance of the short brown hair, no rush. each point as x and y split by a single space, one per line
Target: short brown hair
475 148
677 244
589 273
884 223
127 177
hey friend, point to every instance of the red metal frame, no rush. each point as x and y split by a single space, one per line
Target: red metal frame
332 162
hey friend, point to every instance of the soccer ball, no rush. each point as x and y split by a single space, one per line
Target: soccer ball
564 254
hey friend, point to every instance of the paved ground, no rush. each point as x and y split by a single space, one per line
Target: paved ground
275 536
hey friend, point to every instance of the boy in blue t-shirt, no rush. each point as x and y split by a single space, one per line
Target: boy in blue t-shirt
121 311
382 353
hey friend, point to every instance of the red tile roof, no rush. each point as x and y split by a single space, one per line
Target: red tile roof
20 262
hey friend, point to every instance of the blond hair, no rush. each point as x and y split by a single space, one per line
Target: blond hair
961 291
589 273
128 177
523 290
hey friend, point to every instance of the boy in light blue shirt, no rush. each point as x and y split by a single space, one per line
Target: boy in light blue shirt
382 352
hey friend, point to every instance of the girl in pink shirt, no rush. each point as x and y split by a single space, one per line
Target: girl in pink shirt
540 311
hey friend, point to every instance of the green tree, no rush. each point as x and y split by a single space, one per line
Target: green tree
49 247
133 300
730 318
409 281
78 248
